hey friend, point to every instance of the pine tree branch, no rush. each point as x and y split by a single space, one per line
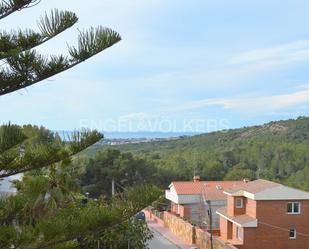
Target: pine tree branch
78 220
30 68
50 25
129 204
30 167
93 232
40 156
7 7
10 136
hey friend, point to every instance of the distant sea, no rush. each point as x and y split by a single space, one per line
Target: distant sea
136 135
149 135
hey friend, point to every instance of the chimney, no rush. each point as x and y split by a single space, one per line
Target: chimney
196 178
246 180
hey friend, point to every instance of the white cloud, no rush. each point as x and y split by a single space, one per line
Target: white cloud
281 54
260 104
233 71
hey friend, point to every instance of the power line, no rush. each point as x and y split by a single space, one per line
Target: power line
282 229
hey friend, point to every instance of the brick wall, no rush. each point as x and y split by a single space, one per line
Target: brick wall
230 205
273 226
181 211
251 208
192 234
174 207
202 240
153 216
179 227
223 228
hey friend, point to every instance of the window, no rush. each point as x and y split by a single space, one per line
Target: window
239 202
238 233
293 208
292 234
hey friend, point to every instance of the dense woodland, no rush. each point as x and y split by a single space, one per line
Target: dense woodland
277 151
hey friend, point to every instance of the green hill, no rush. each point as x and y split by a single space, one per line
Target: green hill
277 150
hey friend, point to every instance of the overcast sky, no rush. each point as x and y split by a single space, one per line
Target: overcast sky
214 63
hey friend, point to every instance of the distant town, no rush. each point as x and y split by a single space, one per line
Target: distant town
121 141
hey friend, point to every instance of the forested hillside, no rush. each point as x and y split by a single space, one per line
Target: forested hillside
277 151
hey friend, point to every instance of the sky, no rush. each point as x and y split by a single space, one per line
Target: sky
195 66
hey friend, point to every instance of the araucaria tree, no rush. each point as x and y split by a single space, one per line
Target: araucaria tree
48 210
23 66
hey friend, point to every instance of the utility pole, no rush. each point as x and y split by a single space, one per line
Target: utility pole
194 165
113 187
210 223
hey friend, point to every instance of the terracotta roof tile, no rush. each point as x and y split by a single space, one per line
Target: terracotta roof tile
253 187
213 190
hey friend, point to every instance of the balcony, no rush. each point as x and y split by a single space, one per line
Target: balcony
240 220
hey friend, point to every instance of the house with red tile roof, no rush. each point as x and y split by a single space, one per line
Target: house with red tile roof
194 200
265 214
